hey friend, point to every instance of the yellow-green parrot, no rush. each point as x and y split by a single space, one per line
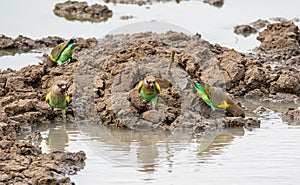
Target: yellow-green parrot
62 52
216 99
58 97
149 90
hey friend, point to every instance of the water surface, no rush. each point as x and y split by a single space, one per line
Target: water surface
265 155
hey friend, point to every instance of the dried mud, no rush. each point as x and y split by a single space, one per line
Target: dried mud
102 85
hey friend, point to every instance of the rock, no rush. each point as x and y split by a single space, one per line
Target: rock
244 30
280 38
231 63
259 24
6 42
74 10
256 93
241 122
255 77
25 44
216 3
126 17
18 107
288 82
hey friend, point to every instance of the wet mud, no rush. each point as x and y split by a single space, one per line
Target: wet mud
102 81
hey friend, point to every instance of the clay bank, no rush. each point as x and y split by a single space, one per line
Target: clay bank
102 80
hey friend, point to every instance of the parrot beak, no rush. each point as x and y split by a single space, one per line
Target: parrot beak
152 85
64 87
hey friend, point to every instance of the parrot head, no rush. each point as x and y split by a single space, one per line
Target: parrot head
150 81
62 85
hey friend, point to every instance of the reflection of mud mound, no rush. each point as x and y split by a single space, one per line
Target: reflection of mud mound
74 10
23 163
292 116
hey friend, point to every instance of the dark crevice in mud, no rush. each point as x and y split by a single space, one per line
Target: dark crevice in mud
106 72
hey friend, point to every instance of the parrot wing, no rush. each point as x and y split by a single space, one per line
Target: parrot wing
203 94
68 99
140 85
157 87
48 97
223 105
56 52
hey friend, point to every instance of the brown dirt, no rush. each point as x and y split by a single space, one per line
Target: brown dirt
74 10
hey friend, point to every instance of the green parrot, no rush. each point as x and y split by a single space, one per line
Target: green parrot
216 99
62 52
149 90
58 97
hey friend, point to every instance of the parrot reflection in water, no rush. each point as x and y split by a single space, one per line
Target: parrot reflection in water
149 90
216 99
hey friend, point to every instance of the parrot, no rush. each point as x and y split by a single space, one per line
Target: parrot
58 96
62 52
216 99
149 89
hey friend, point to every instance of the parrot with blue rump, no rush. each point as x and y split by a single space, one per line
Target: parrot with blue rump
62 52
58 97
149 90
216 99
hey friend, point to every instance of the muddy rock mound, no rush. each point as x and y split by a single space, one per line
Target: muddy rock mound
112 68
254 76
244 30
259 24
138 2
74 10
280 38
22 43
216 3
252 28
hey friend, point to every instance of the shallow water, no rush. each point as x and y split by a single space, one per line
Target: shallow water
265 155
35 19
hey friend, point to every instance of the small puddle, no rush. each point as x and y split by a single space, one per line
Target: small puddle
19 60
